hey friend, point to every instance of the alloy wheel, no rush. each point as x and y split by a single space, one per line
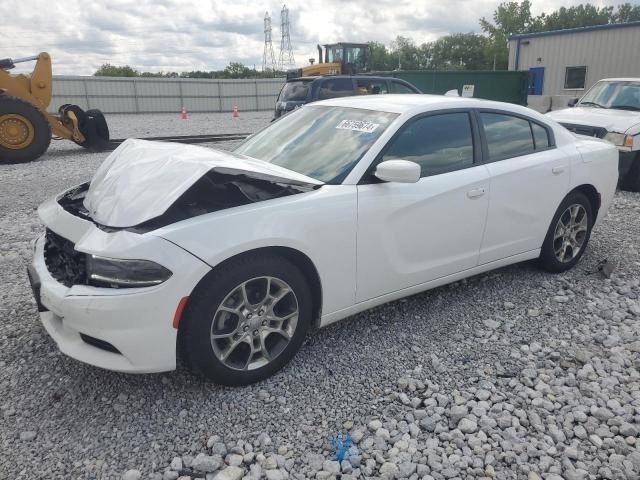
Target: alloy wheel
254 323
570 233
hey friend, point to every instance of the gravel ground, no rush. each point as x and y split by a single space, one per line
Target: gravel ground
512 374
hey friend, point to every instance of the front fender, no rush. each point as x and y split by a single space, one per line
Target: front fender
320 224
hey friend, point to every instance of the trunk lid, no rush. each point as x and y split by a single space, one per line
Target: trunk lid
140 180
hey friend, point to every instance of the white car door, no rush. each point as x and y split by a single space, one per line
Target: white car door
411 233
529 179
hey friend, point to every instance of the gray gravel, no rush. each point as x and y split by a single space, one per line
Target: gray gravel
512 374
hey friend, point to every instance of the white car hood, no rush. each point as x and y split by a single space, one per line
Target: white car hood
140 180
618 121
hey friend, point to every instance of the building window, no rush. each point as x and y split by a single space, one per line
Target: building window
574 77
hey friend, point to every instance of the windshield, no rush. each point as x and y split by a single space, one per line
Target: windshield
320 142
621 95
295 91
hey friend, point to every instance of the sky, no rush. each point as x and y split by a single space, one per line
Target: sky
184 35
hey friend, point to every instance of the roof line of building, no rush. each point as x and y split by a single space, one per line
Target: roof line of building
575 30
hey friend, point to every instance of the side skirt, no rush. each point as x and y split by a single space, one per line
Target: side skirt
405 292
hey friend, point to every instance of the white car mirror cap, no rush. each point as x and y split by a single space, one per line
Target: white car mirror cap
398 171
452 93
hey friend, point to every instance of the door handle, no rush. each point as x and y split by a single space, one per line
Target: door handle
476 193
557 170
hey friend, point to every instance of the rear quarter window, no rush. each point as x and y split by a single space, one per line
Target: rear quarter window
294 91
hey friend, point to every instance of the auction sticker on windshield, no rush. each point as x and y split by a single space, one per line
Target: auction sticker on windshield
358 125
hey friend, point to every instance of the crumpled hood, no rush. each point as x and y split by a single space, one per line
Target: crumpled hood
140 180
618 121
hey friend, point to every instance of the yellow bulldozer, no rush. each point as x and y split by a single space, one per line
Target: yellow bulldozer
339 59
26 127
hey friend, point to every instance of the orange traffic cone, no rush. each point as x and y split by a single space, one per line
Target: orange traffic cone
235 112
184 113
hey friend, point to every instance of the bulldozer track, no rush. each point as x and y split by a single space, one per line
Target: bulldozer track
211 138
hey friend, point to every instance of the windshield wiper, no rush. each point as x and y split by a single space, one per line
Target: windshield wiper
593 103
625 107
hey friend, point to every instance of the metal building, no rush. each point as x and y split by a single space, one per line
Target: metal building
565 63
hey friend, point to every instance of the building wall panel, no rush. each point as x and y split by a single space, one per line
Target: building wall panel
131 95
606 53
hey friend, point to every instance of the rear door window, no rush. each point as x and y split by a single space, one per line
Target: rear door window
336 87
296 91
507 136
371 87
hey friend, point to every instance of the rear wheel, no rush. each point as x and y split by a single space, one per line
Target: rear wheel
568 234
25 133
246 320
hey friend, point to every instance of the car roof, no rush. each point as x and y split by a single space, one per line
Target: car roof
401 103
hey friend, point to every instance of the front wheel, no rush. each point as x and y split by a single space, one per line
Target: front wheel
568 234
246 320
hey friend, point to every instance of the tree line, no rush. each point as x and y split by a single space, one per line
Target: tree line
233 70
458 51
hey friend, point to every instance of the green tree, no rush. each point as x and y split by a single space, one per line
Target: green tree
508 19
237 70
459 51
405 55
380 58
574 17
625 13
108 70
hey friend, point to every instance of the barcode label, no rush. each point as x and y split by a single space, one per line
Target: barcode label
358 126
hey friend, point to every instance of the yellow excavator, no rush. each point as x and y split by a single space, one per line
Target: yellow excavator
339 59
26 127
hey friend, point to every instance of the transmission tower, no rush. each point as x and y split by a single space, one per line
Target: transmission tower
286 52
268 57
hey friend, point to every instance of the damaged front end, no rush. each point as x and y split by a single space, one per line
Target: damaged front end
214 191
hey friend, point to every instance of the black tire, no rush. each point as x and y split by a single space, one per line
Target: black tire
39 123
194 336
101 133
631 181
548 259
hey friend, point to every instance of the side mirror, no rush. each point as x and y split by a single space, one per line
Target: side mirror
572 102
398 171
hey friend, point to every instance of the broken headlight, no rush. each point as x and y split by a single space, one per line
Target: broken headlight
122 273
619 139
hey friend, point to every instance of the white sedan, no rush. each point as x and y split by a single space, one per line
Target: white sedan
228 259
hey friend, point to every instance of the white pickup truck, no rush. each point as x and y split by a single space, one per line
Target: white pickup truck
610 110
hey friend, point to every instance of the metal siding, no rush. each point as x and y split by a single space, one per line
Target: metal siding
128 95
59 100
158 88
200 89
605 53
109 88
239 88
198 104
114 104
